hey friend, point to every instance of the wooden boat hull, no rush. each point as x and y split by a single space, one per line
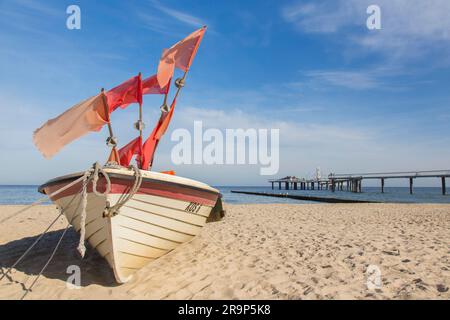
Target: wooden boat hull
165 212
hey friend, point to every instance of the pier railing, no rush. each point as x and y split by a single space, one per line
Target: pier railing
353 181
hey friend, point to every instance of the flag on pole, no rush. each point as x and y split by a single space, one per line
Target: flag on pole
84 117
149 146
179 56
151 86
124 94
127 152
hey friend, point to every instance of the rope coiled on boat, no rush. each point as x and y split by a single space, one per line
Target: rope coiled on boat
93 174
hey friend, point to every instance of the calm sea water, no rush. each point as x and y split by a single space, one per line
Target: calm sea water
28 194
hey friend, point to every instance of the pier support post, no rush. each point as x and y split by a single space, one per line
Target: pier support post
410 185
382 185
295 186
279 185
443 186
272 185
312 185
360 186
287 185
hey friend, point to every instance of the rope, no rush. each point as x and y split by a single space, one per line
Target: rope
126 197
92 173
81 246
109 212
36 241
43 199
30 247
47 263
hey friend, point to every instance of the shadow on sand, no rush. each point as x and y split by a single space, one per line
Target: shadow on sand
94 269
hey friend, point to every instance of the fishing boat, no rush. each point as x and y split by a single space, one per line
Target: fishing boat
130 214
165 212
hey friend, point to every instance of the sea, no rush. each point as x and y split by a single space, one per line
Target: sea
27 194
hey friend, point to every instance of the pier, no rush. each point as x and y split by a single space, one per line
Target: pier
353 182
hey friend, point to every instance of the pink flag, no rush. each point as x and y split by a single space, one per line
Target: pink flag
86 116
179 56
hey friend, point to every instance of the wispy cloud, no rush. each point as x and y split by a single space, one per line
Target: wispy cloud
179 15
167 19
349 79
39 7
410 28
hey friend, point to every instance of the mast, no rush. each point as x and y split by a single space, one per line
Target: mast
139 125
111 141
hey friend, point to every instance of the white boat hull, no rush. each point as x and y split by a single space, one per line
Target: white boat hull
146 227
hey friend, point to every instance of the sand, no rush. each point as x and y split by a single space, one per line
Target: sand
256 252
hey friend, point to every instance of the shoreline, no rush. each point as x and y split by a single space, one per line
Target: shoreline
270 251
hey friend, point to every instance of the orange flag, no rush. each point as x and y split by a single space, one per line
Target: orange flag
127 152
86 116
149 147
179 56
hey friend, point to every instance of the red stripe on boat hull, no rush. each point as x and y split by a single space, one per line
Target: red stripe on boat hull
119 186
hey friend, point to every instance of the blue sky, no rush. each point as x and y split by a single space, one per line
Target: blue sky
345 98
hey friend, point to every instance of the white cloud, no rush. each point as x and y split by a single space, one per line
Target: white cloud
410 28
180 16
166 19
359 80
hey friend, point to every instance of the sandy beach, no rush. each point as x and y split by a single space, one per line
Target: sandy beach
256 252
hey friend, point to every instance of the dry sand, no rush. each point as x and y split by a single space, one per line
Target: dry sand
256 252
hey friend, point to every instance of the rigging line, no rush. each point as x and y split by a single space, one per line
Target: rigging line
29 248
37 240
47 263
43 199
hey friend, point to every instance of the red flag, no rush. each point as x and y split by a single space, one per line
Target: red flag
128 92
179 56
151 86
127 152
149 147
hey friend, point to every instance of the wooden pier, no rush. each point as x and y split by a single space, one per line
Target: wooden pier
353 182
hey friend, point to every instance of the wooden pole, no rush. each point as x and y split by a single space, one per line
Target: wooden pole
410 185
286 185
106 109
141 124
382 185
114 155
443 186
279 185
272 185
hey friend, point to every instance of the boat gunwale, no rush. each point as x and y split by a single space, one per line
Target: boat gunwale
74 176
